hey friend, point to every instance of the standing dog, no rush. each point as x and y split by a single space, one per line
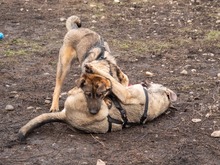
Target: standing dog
86 46
138 105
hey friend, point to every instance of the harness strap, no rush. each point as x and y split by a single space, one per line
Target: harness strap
121 110
112 120
100 44
144 116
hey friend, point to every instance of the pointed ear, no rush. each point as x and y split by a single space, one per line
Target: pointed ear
172 95
80 82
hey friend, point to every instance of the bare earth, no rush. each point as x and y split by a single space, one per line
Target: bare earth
162 37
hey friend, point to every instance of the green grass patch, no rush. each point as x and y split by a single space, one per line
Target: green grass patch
213 35
19 47
150 46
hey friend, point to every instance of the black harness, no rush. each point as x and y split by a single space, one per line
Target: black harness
125 121
99 44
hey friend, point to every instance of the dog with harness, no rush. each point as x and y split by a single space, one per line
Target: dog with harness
127 106
84 45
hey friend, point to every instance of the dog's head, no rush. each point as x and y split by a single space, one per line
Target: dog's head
95 88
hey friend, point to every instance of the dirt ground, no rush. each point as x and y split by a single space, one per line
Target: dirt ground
177 40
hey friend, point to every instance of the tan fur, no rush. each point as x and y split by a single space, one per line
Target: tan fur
76 112
77 43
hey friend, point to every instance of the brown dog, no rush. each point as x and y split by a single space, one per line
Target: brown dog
86 46
138 104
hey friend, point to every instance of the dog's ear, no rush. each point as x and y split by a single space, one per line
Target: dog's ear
172 95
80 82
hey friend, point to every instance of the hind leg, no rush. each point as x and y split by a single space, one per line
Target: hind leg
66 55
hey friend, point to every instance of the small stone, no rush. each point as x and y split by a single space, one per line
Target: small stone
196 120
149 74
116 1
48 98
218 21
94 21
100 162
13 92
63 94
9 108
193 70
62 19
47 101
208 115
103 17
208 54
30 107
184 72
92 5
218 75
38 108
46 74
216 133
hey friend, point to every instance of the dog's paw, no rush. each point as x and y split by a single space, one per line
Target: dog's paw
54 109
88 68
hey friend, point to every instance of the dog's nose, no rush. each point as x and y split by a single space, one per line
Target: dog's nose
93 111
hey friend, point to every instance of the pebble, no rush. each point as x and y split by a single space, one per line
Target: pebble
208 115
218 21
13 92
103 17
193 70
62 19
100 162
196 120
47 101
216 133
218 75
46 74
48 98
92 5
38 108
184 72
9 108
30 107
208 54
63 94
116 1
149 74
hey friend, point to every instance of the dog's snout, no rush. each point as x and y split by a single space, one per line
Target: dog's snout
93 111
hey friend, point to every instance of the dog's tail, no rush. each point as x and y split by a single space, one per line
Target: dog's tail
39 121
73 22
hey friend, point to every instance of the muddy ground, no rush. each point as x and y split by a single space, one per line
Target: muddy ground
177 40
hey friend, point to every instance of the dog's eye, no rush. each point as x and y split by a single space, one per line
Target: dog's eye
98 95
89 94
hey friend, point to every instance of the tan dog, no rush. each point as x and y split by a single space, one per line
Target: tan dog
86 46
133 101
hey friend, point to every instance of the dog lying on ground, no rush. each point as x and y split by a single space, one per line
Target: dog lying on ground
136 105
86 46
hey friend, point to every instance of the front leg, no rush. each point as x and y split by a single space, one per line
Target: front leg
65 57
